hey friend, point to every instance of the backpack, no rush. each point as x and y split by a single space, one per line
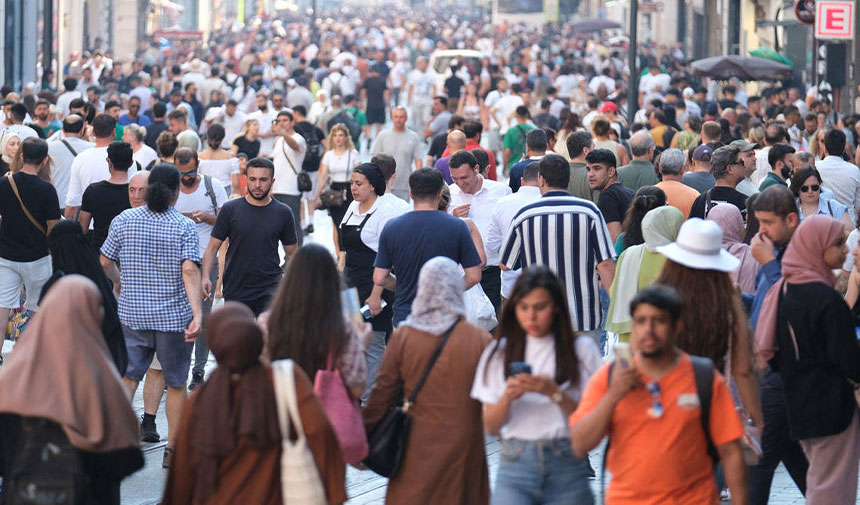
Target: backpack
313 156
210 192
350 122
335 87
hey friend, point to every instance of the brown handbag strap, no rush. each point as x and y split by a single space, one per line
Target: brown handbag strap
24 207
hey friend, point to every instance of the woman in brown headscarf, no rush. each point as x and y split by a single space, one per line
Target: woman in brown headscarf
61 380
236 458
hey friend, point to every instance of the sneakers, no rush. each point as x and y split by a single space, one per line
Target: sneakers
148 432
196 380
167 460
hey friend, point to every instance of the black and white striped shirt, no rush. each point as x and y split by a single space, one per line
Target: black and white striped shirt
570 237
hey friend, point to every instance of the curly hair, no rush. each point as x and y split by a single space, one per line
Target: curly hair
713 317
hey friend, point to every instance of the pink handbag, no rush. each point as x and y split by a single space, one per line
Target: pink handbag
343 414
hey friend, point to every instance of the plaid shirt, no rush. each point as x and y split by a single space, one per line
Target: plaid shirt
150 248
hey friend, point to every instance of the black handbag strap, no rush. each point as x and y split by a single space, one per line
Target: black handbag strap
409 401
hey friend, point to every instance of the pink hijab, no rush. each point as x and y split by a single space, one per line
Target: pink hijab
802 263
732 223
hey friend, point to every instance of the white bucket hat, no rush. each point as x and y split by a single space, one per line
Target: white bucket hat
699 246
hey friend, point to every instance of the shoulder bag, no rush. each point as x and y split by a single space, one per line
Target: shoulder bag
342 412
300 479
303 180
389 437
32 219
333 198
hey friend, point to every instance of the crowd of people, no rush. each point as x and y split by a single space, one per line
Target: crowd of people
537 267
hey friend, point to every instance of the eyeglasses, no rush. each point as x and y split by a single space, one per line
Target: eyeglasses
813 188
656 410
192 173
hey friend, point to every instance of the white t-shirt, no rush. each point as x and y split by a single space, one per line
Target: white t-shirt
61 163
88 167
340 166
199 200
380 213
232 127
534 416
505 107
286 182
220 169
400 206
265 119
422 85
565 84
145 155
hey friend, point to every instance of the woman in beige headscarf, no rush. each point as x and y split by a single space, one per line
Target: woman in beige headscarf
61 381
9 142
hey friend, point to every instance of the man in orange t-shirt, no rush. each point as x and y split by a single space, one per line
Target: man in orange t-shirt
678 194
658 450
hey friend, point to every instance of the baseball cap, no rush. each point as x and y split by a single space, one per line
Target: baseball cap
703 153
743 145
608 107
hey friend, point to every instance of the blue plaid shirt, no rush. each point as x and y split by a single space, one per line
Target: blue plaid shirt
150 248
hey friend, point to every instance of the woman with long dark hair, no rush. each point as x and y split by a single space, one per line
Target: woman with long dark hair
645 200
72 253
528 405
306 323
217 162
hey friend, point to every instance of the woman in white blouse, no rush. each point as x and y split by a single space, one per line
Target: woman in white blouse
217 162
335 174
530 381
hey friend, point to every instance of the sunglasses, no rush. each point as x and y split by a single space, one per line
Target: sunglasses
656 410
192 173
813 188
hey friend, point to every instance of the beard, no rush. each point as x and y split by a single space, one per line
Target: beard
188 182
259 198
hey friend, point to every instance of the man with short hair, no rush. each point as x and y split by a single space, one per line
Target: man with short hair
504 212
42 120
514 140
159 308
747 155
388 166
439 122
24 259
640 172
69 84
91 165
582 252
422 88
175 103
233 120
711 132
456 142
678 194
255 225
185 136
579 144
661 132
614 199
287 157
642 420
779 158
410 240
104 200
158 125
200 199
406 147
536 147
839 176
774 134
728 170
474 197
62 152
133 114
700 177
16 117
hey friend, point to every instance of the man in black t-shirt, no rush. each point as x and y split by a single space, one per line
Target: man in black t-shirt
728 169
255 225
614 198
158 125
376 92
103 201
24 258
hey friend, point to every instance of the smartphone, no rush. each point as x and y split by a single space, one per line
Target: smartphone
518 367
350 306
365 311
623 355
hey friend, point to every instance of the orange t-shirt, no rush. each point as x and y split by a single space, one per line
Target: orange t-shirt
679 195
663 461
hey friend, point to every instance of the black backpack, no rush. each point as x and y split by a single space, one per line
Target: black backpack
335 87
347 120
313 156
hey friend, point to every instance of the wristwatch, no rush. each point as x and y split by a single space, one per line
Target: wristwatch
557 397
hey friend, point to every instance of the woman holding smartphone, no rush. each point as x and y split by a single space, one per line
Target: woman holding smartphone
530 381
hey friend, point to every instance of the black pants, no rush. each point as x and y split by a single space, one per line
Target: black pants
257 306
201 348
776 444
491 283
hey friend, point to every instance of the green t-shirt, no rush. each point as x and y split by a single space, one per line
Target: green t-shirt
515 140
769 180
358 114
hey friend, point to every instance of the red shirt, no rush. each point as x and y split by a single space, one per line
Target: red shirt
471 144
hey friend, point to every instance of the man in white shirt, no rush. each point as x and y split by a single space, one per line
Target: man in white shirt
196 75
275 73
406 147
199 200
91 165
213 83
66 98
421 90
494 137
839 176
335 81
265 116
186 137
62 153
287 156
300 95
388 166
232 119
503 112
565 83
773 134
141 92
505 210
474 197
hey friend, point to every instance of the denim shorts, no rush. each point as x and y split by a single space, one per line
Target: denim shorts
541 471
173 352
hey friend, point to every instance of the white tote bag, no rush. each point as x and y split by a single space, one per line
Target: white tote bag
300 479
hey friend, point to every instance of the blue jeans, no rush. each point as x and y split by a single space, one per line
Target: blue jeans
604 309
541 472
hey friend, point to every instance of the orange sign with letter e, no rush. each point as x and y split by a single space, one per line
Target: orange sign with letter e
834 19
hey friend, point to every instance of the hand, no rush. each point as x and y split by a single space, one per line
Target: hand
206 288
198 216
341 261
375 305
193 329
462 210
514 388
318 202
538 384
762 248
622 381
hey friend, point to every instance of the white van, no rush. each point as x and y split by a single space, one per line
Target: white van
440 63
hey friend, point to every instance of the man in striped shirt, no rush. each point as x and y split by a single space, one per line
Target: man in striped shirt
568 235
